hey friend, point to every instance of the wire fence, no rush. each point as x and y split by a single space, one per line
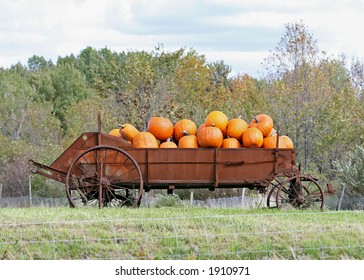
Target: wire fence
306 235
35 201
150 201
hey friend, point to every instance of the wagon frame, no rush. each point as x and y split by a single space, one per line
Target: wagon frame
102 170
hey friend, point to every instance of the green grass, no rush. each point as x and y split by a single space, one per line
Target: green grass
179 233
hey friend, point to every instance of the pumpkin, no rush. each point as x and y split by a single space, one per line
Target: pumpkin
145 139
230 143
210 137
128 131
182 127
252 138
188 141
272 132
115 132
288 141
271 142
160 127
168 144
235 128
200 127
263 122
217 119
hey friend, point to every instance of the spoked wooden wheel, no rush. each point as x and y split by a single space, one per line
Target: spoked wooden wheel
104 176
300 191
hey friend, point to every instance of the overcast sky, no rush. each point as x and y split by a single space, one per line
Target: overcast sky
239 32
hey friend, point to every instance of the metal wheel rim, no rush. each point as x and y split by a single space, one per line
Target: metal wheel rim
109 188
274 185
312 195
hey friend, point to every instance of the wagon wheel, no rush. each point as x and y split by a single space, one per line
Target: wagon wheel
104 176
272 194
300 191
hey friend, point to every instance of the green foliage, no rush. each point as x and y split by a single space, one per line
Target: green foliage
350 170
82 117
314 101
38 62
168 201
61 86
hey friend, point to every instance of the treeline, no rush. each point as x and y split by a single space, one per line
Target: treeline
314 98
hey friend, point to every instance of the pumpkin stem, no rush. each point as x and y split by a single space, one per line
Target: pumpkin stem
185 132
121 126
213 124
256 120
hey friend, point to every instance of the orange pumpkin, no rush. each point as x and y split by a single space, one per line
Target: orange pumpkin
188 141
115 132
160 127
252 138
200 127
182 127
230 143
168 144
210 137
271 142
236 128
128 131
272 132
263 122
217 119
288 141
145 140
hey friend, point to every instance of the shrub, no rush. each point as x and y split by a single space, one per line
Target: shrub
168 201
351 171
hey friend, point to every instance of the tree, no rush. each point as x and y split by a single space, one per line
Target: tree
16 97
357 77
350 170
62 86
246 98
292 62
193 87
27 127
38 63
82 117
312 99
150 88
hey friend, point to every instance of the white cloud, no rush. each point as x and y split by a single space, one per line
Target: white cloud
240 62
240 32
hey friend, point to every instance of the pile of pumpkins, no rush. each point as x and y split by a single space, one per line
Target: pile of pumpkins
216 132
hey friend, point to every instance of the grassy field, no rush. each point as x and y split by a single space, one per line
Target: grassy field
180 233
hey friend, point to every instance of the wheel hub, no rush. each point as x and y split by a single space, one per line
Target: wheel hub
300 199
105 182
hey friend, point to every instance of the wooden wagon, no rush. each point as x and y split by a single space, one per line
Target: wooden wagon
102 170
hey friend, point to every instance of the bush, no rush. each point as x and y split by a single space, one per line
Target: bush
168 201
351 171
351 174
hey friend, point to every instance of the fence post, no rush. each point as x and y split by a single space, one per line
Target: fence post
243 198
30 191
341 198
191 198
1 191
146 199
